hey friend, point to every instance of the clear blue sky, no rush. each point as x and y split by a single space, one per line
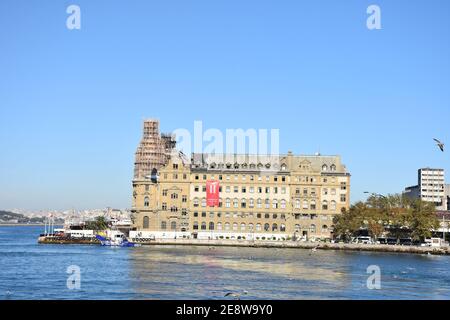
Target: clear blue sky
72 102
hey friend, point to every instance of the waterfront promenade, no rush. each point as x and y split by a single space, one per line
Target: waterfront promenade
267 244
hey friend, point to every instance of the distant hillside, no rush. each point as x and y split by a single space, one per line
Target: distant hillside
11 217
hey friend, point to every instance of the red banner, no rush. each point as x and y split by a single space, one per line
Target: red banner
212 193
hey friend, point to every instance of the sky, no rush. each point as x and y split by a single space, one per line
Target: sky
72 101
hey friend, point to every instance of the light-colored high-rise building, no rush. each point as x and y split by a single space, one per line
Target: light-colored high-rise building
277 198
430 188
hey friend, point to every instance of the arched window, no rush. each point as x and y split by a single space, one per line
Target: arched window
258 227
266 227
243 203
283 228
251 203
305 204
228 203
275 227
313 204
243 226
236 203
227 226
313 228
195 225
146 202
297 204
298 228
333 205
203 225
325 205
325 228
146 222
203 202
275 203
283 204
267 203
333 167
259 203
283 167
173 225
196 202
163 225
235 226
219 226
211 226
324 168
250 227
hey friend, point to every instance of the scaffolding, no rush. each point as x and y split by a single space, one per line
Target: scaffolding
153 151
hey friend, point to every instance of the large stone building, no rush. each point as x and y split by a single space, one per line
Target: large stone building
260 198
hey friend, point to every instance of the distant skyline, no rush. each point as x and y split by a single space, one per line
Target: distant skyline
72 102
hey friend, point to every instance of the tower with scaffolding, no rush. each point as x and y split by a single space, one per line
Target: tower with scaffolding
153 151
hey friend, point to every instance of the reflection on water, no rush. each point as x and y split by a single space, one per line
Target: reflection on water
32 271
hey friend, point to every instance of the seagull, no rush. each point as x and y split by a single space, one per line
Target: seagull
236 295
440 144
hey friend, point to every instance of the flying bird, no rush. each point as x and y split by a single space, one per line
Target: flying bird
236 295
440 144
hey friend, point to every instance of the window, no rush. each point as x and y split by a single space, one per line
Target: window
325 191
266 227
243 226
325 228
283 228
146 222
235 226
227 226
236 203
275 227
343 185
267 203
164 206
203 214
259 203
228 203
343 198
219 226
283 204
175 166
195 214
333 205
243 203
174 196
275 204
203 225
203 202
258 227
195 225
164 193
251 203
211 226
184 198
196 202
297 228
250 227
325 205
333 192
324 168
313 205
173 225
313 228
297 204
146 202
163 225
305 204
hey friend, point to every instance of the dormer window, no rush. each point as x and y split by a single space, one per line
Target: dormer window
324 168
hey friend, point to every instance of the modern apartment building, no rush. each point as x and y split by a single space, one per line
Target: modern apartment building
430 188
259 198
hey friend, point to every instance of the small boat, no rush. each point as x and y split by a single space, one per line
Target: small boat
117 239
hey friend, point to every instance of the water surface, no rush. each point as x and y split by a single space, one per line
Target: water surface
32 271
